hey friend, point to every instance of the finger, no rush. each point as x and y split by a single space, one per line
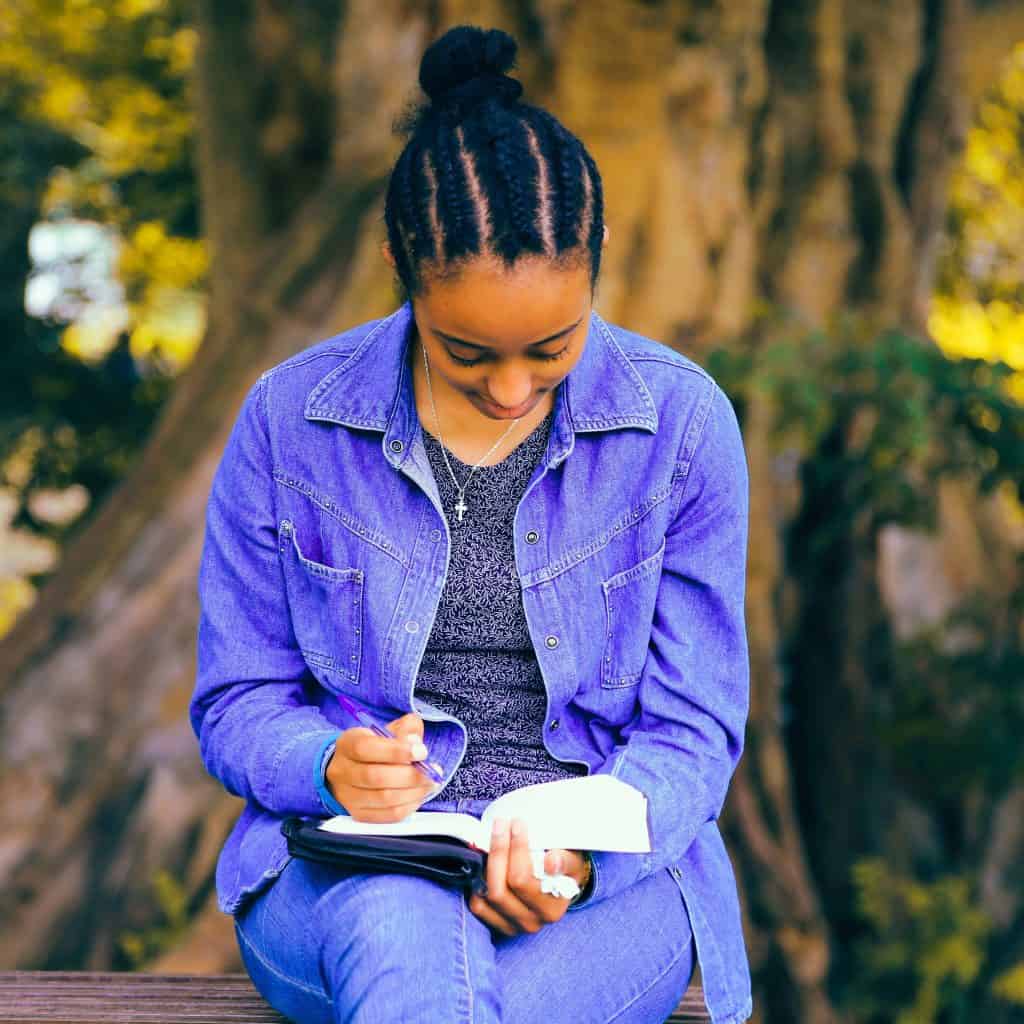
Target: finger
409 730
363 745
523 883
383 815
492 918
564 862
509 874
384 799
382 776
497 859
554 861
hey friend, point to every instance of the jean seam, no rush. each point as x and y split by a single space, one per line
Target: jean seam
277 974
465 957
661 974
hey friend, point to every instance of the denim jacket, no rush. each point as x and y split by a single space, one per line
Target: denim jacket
326 551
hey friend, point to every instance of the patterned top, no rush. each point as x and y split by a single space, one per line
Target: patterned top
479 663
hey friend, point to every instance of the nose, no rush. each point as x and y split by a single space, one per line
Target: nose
510 388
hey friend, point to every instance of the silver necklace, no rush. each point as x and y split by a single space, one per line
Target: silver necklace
460 506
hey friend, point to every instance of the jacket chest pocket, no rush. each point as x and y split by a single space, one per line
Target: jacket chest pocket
629 600
327 610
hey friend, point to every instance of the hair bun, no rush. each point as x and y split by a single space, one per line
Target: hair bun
466 66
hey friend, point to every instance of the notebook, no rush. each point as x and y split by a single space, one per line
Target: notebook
588 812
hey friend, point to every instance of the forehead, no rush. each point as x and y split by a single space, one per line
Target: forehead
488 303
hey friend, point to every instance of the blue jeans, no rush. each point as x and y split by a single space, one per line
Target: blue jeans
323 944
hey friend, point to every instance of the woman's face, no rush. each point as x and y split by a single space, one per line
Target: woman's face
502 339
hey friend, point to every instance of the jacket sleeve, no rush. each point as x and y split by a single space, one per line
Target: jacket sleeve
258 731
681 749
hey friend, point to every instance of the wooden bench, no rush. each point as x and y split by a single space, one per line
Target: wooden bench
78 997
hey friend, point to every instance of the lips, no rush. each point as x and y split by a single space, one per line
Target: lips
503 413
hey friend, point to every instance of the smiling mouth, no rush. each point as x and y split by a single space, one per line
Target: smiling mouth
501 411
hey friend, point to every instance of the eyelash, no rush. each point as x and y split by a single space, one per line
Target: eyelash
540 355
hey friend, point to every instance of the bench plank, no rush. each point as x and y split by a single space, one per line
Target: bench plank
124 997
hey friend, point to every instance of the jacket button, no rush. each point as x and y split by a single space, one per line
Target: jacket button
397 446
435 535
532 537
551 640
554 723
412 626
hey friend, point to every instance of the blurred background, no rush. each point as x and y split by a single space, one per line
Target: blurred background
820 201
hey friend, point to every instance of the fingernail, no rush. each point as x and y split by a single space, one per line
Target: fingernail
517 828
500 826
419 751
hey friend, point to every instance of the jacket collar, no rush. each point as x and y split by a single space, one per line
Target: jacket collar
603 391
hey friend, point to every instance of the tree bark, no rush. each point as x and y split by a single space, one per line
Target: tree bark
787 152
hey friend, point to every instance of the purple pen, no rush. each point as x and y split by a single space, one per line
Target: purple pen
431 769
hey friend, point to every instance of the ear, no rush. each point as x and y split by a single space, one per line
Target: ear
387 253
607 235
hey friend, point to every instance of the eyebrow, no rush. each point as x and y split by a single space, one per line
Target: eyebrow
485 348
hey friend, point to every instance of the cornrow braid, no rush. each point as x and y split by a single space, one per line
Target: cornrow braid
514 164
545 193
483 174
563 153
595 195
436 232
481 140
481 208
401 244
455 206
416 198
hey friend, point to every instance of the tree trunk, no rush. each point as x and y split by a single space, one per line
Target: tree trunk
788 152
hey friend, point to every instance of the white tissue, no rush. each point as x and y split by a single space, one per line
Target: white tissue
556 885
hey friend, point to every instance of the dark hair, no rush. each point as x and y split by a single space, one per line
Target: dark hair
482 173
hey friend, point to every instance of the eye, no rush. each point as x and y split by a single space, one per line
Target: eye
546 357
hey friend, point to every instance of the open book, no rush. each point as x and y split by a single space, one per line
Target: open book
588 812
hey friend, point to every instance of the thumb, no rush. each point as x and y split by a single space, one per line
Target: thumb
407 725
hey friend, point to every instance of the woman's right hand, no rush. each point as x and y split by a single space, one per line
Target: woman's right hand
374 778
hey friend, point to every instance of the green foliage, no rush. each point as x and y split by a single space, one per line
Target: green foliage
141 947
1010 985
908 414
979 302
112 77
96 125
926 949
875 419
955 712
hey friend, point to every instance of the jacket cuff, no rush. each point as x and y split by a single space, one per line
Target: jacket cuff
322 757
611 873
291 782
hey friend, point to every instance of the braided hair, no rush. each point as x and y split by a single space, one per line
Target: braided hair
485 174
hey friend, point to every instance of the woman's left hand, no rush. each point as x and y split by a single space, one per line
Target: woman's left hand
513 901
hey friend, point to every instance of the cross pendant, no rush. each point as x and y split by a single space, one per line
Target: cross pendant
461 507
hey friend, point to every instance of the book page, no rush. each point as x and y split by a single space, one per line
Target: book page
419 823
588 812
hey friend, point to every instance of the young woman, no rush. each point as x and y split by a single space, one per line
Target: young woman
516 534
